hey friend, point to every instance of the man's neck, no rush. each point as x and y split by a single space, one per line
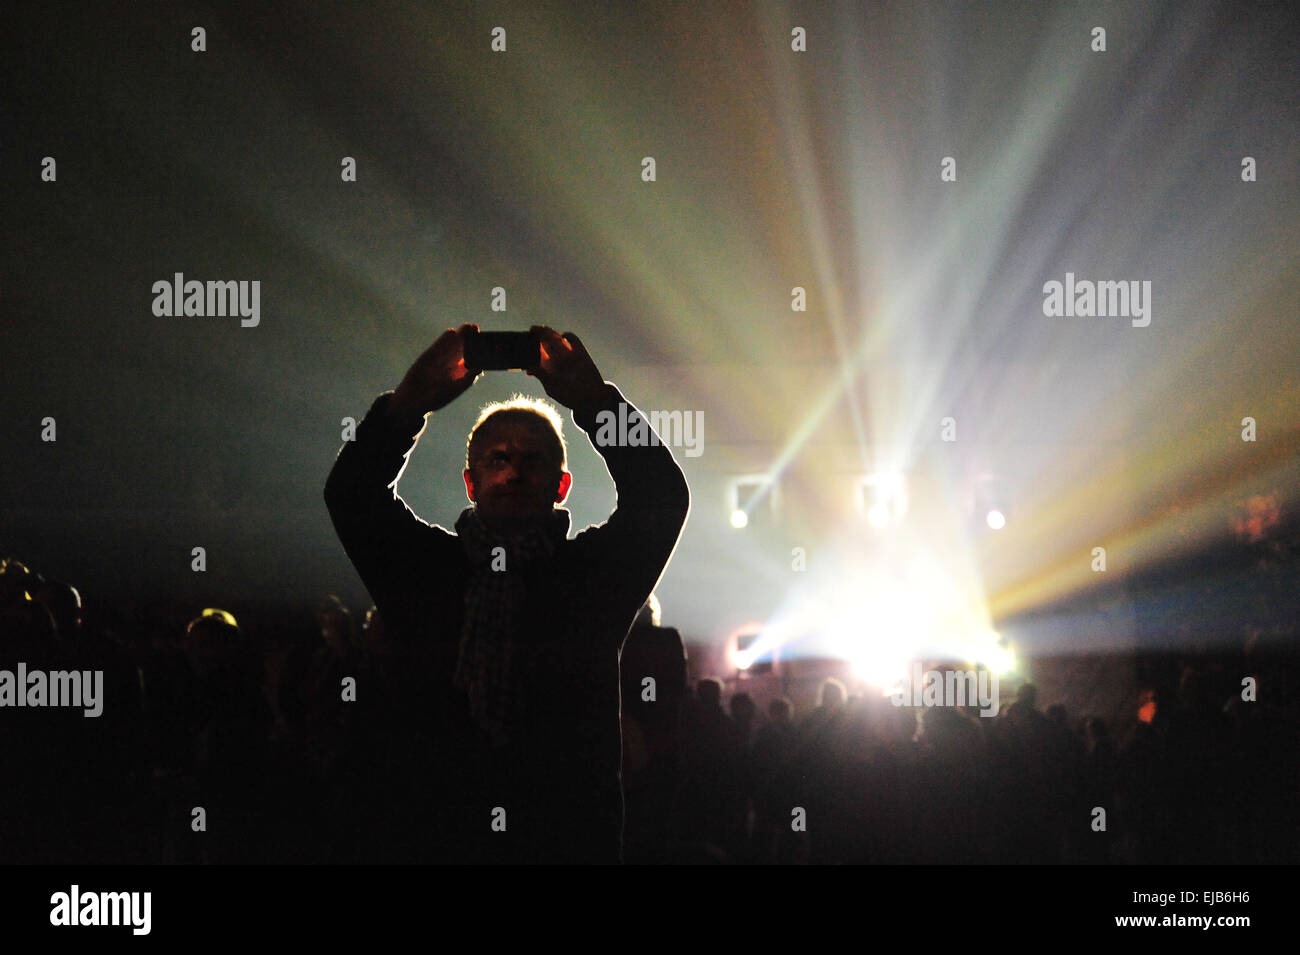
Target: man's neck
515 526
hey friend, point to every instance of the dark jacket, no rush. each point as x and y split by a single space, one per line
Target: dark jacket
558 778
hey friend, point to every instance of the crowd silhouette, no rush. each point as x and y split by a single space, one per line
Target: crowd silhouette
247 720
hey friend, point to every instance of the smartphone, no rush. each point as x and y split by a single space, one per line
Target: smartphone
502 351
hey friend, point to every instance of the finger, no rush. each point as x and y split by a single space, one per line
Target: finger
462 336
449 338
446 335
540 373
552 337
575 343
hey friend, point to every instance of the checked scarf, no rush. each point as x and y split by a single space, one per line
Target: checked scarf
494 608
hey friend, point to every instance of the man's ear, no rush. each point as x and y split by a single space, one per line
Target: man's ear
469 487
562 491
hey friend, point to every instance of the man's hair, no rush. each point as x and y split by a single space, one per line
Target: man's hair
526 410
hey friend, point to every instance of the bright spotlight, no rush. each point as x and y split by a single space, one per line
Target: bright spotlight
993 499
913 603
752 496
882 498
744 649
876 669
1000 658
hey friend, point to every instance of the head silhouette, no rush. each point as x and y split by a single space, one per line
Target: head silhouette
833 694
515 462
63 601
709 692
743 708
335 622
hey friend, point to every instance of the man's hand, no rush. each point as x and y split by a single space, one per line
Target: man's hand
566 370
438 377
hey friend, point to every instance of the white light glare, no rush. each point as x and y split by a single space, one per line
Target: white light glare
883 496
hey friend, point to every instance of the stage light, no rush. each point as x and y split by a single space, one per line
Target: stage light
999 658
877 670
751 495
993 499
754 647
749 649
887 606
745 645
882 498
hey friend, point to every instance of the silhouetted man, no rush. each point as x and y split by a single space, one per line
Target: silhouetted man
514 628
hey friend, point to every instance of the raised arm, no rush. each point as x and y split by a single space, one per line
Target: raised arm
388 544
635 544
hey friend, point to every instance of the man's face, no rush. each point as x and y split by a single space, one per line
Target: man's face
513 475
